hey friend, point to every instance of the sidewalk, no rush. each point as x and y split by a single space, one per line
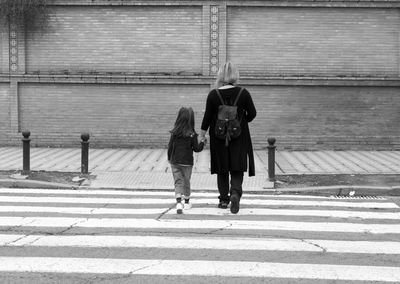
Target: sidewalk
149 168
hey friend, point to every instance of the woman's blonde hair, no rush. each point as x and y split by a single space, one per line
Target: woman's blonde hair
227 74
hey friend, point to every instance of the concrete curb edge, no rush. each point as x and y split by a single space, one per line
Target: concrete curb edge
343 190
14 183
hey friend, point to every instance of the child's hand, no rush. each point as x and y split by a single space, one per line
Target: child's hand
204 140
200 139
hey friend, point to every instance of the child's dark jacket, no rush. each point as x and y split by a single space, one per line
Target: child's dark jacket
180 149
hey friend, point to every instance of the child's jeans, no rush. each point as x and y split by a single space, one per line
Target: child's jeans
182 176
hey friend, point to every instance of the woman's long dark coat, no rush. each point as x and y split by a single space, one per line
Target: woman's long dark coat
233 157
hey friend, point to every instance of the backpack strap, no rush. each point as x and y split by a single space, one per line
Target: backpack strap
220 97
237 98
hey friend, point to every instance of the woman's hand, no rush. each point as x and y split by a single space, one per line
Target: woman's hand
203 133
202 137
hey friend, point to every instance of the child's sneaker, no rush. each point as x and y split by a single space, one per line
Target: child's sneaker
179 208
187 206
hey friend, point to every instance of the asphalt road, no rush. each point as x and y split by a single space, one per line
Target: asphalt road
88 236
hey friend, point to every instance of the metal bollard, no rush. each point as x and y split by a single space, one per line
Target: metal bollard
26 152
85 153
271 159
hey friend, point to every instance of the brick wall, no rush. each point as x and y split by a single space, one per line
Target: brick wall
128 39
4 113
314 41
303 117
3 34
323 74
317 117
124 115
4 49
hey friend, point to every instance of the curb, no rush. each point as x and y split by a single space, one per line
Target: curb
13 183
167 188
341 190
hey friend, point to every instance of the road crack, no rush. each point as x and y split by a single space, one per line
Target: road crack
324 250
211 232
72 226
165 212
146 266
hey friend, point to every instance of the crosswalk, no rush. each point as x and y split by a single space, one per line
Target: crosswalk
137 236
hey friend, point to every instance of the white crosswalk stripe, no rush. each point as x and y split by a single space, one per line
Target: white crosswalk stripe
205 268
201 243
308 238
204 211
199 224
98 200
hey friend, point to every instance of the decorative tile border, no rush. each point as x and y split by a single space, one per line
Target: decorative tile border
13 48
214 39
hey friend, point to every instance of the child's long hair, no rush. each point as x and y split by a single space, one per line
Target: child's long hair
184 124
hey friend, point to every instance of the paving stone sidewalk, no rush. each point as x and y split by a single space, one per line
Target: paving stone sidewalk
149 168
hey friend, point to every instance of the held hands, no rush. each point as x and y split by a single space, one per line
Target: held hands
202 139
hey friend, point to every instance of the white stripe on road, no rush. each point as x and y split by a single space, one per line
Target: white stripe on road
83 210
199 268
199 224
203 211
143 193
218 243
88 200
290 212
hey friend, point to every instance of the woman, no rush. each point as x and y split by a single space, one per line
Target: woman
232 159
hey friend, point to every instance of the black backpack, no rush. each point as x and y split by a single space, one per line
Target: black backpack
228 126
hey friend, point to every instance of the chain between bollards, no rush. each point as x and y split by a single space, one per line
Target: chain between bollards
85 153
271 159
26 152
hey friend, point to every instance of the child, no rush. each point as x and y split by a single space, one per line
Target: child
181 145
